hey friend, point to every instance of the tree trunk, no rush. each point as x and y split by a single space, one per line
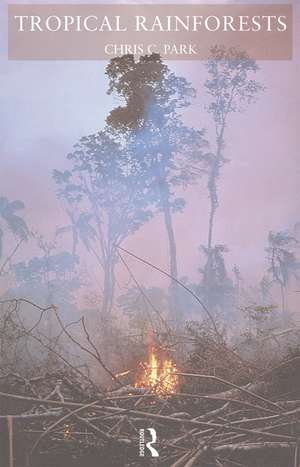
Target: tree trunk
171 241
108 286
211 224
173 270
212 181
282 298
213 197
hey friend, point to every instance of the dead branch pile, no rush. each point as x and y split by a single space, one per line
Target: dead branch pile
58 420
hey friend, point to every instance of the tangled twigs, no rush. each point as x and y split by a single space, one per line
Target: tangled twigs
96 355
193 428
67 418
235 386
58 422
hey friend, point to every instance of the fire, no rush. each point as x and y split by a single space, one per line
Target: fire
67 431
159 375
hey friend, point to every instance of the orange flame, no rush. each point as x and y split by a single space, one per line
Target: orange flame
159 376
67 431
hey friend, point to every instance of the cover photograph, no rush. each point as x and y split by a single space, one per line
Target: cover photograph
149 233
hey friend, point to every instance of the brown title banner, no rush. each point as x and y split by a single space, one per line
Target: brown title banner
178 32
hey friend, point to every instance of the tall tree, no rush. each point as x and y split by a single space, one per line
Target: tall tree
104 199
283 261
231 89
166 151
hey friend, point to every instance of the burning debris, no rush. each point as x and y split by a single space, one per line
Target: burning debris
212 418
224 429
67 431
159 374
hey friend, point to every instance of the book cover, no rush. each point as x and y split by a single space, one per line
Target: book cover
149 234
